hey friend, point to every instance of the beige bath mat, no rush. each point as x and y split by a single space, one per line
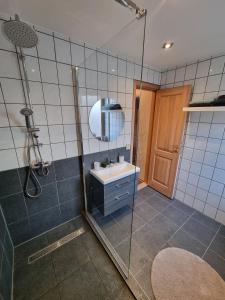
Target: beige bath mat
178 274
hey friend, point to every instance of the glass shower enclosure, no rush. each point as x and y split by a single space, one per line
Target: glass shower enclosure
103 85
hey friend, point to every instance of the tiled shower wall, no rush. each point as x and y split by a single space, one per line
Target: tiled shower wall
6 260
49 65
201 174
50 77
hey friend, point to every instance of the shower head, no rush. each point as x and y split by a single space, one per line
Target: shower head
20 33
140 12
26 111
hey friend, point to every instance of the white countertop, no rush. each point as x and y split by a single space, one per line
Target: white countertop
115 172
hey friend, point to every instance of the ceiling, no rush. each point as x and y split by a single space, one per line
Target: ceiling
197 28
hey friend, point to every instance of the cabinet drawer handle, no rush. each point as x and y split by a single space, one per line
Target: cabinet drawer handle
119 197
121 184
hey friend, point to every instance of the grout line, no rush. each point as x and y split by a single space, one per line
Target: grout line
211 241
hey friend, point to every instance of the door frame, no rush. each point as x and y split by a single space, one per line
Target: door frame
137 84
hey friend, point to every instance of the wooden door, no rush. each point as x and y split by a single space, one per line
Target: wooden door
145 123
169 122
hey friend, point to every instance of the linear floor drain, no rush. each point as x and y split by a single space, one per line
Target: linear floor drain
47 250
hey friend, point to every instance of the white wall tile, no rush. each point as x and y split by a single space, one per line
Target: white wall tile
222 147
20 136
45 46
180 72
218 117
62 51
71 149
3 116
8 160
137 72
190 71
201 194
51 94
130 70
121 84
170 77
6 140
217 131
92 97
48 71
207 171
198 205
90 59
65 74
39 115
213 199
210 158
56 133
219 175
203 68
122 67
217 65
216 188
81 77
129 86
32 68
58 151
213 83
222 87
203 129
36 94
66 95
204 183
210 211
70 132
15 117
221 162
222 204
112 65
54 115
102 62
68 113
102 81
77 55
9 65
200 85
91 79
12 90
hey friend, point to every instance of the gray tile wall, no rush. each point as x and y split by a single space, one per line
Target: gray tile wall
201 173
6 260
59 202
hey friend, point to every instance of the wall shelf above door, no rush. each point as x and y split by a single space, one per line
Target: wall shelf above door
204 108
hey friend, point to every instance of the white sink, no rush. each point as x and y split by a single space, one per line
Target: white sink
115 172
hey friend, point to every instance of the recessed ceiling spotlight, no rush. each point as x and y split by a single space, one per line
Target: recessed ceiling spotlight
167 45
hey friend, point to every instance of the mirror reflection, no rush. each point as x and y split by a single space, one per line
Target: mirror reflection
106 120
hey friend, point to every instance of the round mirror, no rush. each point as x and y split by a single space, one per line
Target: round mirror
106 120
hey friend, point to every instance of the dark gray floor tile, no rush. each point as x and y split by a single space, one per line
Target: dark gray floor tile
187 209
138 258
147 191
34 280
153 235
218 245
136 288
185 241
176 215
52 294
64 229
199 231
145 212
137 222
144 279
123 250
9 183
25 250
84 284
125 294
216 262
222 230
158 202
212 224
68 258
